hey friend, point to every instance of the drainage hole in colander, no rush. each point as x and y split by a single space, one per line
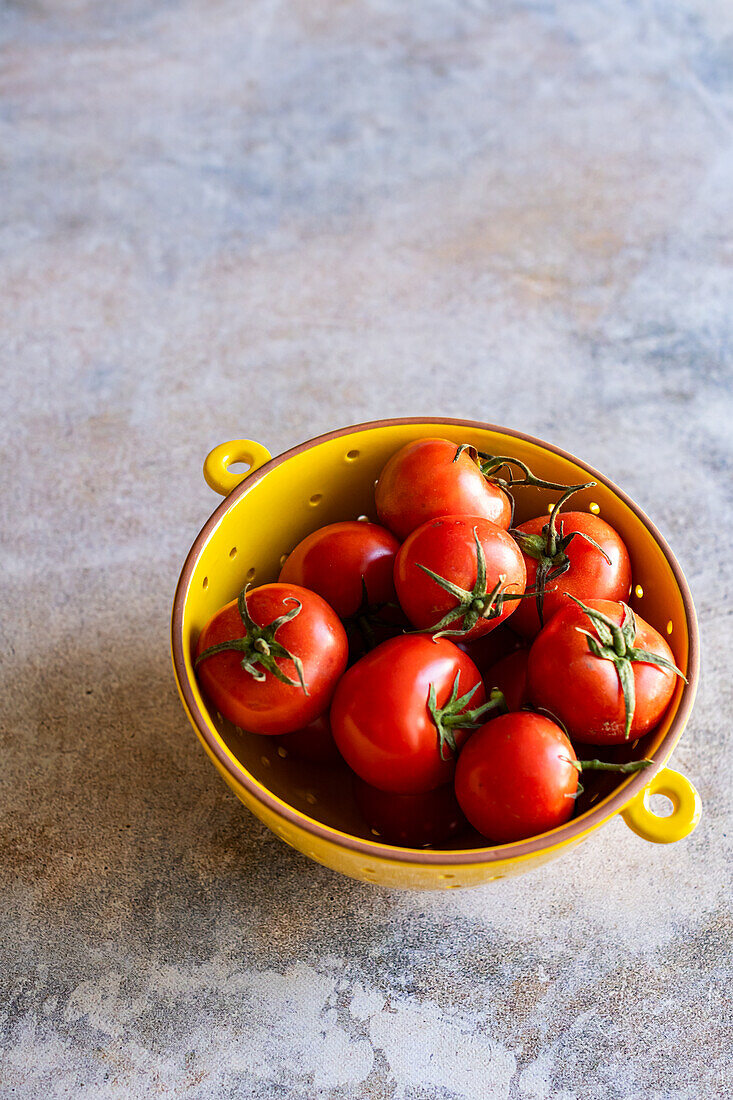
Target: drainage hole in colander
363 519
446 876
233 553
283 559
660 805
310 798
639 591
205 583
368 871
265 760
315 499
669 627
594 508
351 456
375 832
250 576
282 751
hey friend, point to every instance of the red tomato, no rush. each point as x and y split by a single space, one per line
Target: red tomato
585 691
490 648
452 548
381 719
410 820
510 677
334 560
422 481
297 627
515 777
590 575
313 742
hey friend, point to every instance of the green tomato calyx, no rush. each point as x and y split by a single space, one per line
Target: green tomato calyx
478 603
549 549
259 647
616 643
454 715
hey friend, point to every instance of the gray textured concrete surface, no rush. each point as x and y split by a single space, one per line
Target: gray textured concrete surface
270 219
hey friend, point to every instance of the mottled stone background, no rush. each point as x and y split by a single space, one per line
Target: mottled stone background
270 219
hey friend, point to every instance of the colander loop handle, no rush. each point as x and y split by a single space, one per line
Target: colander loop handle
217 462
686 809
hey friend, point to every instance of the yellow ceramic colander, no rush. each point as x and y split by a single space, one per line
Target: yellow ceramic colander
279 501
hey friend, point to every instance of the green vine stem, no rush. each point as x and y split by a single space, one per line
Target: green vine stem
616 643
259 647
474 604
603 766
491 465
452 716
549 549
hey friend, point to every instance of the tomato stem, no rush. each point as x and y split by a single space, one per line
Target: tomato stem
471 719
453 715
491 464
605 766
478 603
616 644
549 548
259 647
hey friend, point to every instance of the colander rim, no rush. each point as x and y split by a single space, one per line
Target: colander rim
574 829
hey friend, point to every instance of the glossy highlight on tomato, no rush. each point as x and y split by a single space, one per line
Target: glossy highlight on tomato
422 482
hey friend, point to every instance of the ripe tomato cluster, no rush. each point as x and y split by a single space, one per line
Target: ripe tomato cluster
450 659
